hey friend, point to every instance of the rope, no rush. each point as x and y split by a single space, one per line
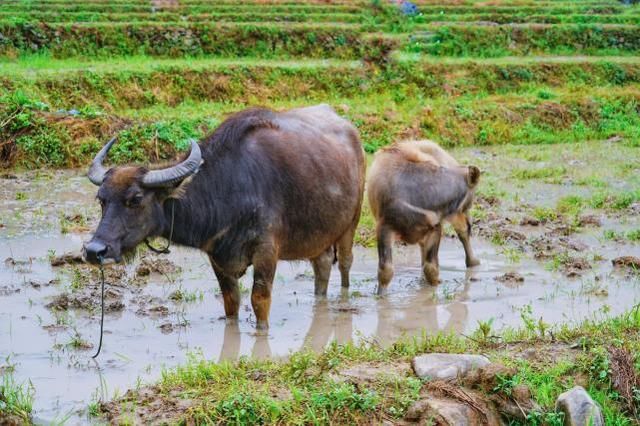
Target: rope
164 250
102 310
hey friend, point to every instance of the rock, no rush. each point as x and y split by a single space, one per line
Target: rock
628 261
446 366
443 411
578 408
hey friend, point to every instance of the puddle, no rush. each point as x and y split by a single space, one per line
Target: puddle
168 315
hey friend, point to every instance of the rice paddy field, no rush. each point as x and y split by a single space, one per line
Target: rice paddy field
542 95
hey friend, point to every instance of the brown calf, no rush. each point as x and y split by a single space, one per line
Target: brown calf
412 187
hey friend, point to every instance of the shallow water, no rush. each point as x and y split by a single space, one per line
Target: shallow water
34 339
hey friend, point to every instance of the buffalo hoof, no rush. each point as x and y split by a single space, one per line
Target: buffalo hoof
431 274
382 290
231 319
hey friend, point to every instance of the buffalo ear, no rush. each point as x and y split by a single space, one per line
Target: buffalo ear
473 176
180 188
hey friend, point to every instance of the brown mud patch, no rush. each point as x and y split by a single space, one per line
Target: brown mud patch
148 405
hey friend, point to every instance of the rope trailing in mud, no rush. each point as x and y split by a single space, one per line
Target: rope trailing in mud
102 308
164 250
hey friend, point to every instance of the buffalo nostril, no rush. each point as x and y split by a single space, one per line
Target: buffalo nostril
95 251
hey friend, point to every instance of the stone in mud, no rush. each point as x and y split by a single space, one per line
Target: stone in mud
627 261
67 259
578 408
445 412
446 366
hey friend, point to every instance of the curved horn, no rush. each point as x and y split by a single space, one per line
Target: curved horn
175 174
97 171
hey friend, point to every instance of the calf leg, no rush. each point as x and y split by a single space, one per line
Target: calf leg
345 253
322 271
430 246
385 261
230 292
264 268
462 226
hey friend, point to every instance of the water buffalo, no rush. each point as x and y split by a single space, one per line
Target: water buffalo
412 187
263 186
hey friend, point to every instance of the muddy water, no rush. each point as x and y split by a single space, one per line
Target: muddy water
153 331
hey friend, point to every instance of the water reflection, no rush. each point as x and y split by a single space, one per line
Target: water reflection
334 319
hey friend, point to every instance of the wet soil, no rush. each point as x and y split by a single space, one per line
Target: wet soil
161 308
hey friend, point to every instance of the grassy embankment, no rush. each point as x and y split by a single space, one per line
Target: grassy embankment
311 388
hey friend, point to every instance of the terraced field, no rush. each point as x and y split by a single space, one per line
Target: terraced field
486 73
543 95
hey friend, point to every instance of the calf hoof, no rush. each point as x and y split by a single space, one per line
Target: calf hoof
472 262
382 290
431 274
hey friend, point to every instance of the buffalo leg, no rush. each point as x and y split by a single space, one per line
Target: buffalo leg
345 254
462 226
385 261
230 293
322 271
264 269
430 246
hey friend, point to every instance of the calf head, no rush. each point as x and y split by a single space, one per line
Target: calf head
131 198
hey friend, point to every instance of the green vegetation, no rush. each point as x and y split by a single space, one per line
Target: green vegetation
309 388
16 399
71 75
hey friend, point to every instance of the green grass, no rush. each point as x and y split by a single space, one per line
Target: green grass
16 399
304 388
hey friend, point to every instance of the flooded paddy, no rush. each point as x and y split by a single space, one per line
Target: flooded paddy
539 260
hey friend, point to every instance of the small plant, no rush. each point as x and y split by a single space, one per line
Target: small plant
545 214
512 254
484 329
21 196
16 399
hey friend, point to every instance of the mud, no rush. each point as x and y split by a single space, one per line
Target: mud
161 308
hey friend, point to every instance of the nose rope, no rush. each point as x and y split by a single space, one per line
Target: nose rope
164 250
100 259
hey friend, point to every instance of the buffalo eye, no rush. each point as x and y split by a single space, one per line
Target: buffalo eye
134 201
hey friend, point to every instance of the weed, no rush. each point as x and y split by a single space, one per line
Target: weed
549 173
15 398
545 214
484 329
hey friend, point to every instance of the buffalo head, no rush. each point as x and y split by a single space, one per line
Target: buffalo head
131 198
